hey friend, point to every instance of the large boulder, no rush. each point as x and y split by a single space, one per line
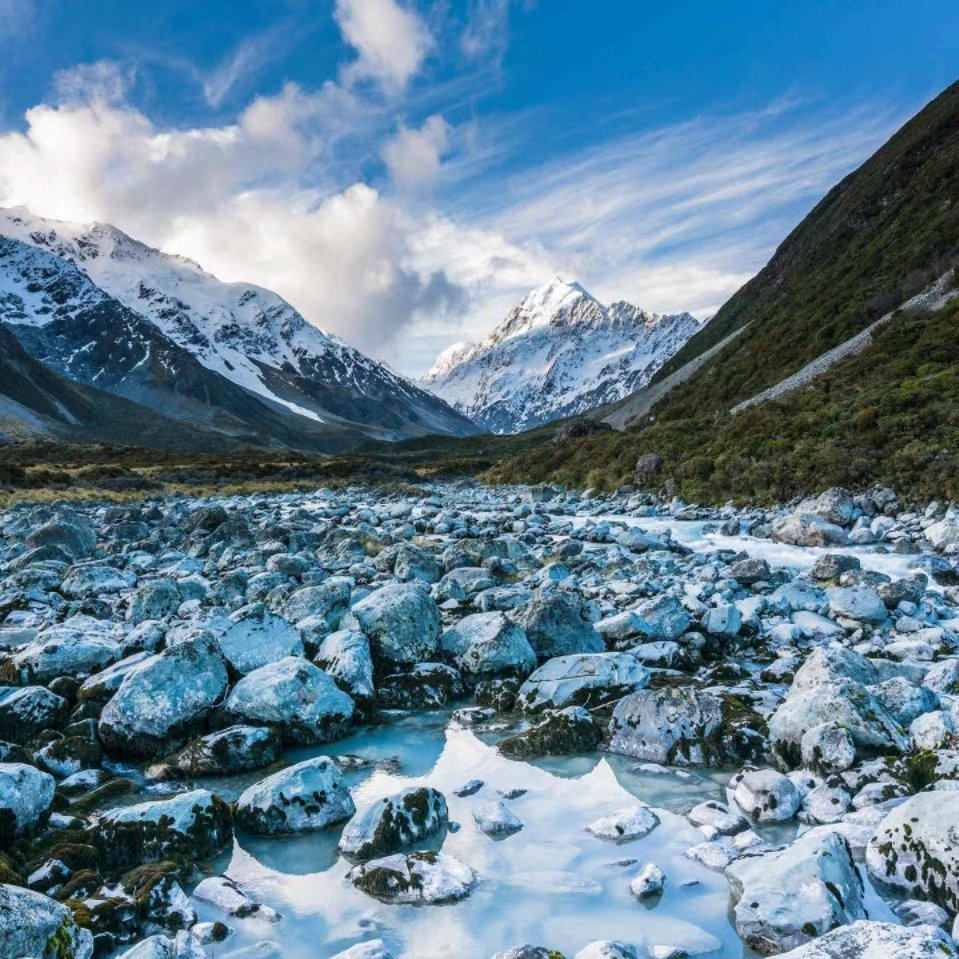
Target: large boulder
164 699
93 579
73 535
303 798
425 686
25 798
225 752
564 732
489 644
32 925
808 529
77 648
257 638
861 604
26 710
685 726
786 898
390 823
417 877
402 622
589 679
302 701
647 470
915 849
878 940
557 624
836 505
187 827
345 655
767 796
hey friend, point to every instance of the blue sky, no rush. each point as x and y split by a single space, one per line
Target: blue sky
404 171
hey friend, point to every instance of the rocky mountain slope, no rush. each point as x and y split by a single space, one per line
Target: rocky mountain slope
558 353
890 412
107 311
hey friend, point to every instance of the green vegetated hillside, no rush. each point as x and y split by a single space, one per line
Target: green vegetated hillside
880 236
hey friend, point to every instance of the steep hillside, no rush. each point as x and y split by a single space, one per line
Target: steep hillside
558 353
886 232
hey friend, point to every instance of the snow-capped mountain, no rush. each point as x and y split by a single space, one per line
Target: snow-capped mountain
558 353
104 309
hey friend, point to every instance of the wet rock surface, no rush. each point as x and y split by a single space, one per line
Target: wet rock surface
546 703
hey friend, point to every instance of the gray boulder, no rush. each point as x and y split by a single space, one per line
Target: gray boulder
557 623
25 710
257 638
390 823
561 733
878 940
416 877
402 622
345 655
489 644
32 925
73 535
25 798
582 680
808 529
225 752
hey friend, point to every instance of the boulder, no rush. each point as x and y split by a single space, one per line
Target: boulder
225 752
767 796
73 535
662 618
649 882
685 726
345 655
496 819
26 710
647 470
90 580
915 849
25 798
224 894
749 572
257 638
77 647
373 949
784 899
836 505
862 604
402 622
164 699
557 623
489 644
808 529
155 599
417 877
625 825
32 925
303 798
589 679
302 701
425 686
562 733
393 822
878 940
832 566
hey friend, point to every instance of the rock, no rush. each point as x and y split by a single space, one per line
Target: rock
224 894
717 818
663 618
374 949
834 663
582 680
25 798
749 572
915 912
155 599
76 648
647 469
402 623
417 877
565 732
767 796
784 899
649 882
807 529
488 644
827 748
915 849
557 624
390 823
31 925
345 655
683 726
74 536
625 825
257 638
69 755
725 621
496 819
528 952
26 710
164 699
859 603
878 940
189 826
609 949
297 697
943 534
832 566
836 505
303 798
826 804
225 752
425 686
326 602
95 579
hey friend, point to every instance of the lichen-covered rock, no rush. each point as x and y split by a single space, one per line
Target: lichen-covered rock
489 644
556 623
649 882
861 604
582 680
345 655
390 823
417 877
827 748
915 849
26 710
425 686
767 796
25 798
257 638
164 699
77 647
561 733
32 925
302 701
154 599
685 726
402 622
224 894
92 579
235 749
73 534
786 898
625 825
189 826
303 798
66 756
808 529
878 940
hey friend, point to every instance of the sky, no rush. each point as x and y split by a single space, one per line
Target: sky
404 171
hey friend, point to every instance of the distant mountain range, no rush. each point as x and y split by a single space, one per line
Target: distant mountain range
217 363
558 353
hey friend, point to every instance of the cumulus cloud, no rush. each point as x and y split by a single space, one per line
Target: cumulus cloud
413 156
391 41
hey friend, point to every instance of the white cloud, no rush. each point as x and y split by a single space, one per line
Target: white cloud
487 28
413 157
392 41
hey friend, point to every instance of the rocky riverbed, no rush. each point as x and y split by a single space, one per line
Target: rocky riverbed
473 722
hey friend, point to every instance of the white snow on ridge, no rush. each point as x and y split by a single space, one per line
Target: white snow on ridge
558 353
